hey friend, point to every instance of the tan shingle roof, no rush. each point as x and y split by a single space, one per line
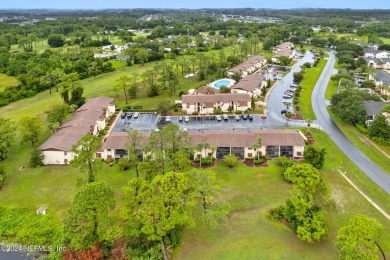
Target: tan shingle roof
191 99
245 138
82 122
250 83
247 64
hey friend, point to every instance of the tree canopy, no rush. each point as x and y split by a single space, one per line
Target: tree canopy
359 238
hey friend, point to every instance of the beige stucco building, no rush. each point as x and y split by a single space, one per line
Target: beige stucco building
205 104
90 118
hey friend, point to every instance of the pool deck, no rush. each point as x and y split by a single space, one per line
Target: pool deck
232 82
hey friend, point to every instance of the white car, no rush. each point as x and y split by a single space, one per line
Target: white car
218 117
186 119
136 114
168 119
238 118
225 117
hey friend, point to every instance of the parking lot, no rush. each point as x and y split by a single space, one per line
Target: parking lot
151 121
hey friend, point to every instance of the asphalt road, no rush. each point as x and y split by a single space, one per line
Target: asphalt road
377 175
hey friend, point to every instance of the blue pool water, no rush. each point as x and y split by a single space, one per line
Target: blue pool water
222 83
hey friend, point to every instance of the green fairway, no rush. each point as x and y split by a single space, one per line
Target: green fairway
310 78
7 81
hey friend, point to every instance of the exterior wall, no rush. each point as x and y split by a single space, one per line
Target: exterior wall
384 54
298 151
204 152
101 124
108 153
250 153
190 108
110 110
57 157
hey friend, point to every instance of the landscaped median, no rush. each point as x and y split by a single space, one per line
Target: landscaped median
311 76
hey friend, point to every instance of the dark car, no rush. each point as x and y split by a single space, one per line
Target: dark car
250 117
129 115
180 119
123 115
244 117
283 111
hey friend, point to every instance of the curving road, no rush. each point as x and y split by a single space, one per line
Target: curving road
381 178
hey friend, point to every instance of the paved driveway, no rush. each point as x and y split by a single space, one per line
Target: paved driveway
151 121
275 99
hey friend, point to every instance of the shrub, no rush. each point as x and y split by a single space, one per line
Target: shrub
231 160
238 112
195 113
36 159
297 108
295 100
362 128
217 111
260 160
2 176
276 213
205 161
124 164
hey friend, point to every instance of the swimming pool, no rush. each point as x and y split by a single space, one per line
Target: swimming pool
222 83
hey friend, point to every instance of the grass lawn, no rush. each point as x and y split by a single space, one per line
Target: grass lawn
358 139
385 40
7 81
309 80
248 234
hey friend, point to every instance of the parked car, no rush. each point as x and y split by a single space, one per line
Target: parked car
218 118
225 117
244 117
287 101
136 114
250 117
238 118
168 119
123 115
180 119
283 111
186 119
129 115
287 96
290 91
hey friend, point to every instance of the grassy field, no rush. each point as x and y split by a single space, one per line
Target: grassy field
251 191
309 80
360 140
7 81
248 234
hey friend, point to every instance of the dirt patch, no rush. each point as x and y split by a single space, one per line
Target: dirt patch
259 175
294 117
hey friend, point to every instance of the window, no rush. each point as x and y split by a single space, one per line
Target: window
108 150
65 153
299 153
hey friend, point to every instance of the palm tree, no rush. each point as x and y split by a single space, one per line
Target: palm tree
199 148
259 141
213 149
205 146
255 147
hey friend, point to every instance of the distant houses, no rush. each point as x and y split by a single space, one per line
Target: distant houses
382 81
374 109
249 66
285 49
90 118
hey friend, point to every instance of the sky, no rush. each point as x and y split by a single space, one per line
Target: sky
277 4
